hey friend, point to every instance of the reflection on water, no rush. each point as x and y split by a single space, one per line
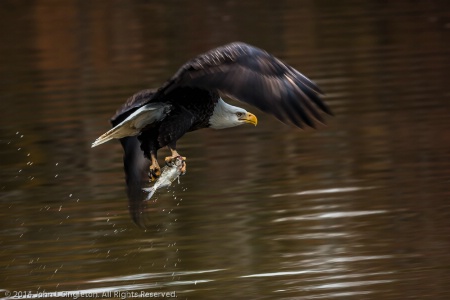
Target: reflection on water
355 210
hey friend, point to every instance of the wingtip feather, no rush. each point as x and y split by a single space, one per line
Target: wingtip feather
102 139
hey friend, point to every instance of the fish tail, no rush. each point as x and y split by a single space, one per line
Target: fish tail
150 192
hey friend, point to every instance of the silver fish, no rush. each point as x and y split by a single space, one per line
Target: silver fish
168 175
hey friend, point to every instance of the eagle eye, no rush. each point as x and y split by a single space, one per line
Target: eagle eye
239 114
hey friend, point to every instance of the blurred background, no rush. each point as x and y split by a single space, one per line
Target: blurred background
358 209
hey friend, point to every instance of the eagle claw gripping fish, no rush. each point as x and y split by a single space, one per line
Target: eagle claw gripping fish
169 174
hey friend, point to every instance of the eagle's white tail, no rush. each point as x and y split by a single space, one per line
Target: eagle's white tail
132 125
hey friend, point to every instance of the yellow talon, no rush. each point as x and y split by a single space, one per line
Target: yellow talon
170 160
155 172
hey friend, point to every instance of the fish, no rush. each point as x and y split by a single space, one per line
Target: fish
168 175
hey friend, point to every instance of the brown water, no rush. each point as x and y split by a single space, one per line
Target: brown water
356 210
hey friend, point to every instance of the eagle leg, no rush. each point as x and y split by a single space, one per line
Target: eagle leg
170 160
155 170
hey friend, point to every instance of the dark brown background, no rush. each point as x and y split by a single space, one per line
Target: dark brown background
356 210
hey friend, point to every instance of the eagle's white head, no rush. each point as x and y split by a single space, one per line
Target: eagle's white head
226 115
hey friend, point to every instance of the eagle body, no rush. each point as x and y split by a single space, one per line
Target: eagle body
183 115
185 109
191 100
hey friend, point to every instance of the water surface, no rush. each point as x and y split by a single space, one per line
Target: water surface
355 210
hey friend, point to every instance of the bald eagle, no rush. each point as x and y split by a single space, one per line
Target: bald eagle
191 100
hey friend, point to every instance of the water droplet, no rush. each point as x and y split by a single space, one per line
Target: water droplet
70 195
56 175
56 164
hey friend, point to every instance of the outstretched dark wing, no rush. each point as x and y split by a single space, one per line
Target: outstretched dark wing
134 163
252 75
136 169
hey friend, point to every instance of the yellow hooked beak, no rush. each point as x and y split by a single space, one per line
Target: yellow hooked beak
249 118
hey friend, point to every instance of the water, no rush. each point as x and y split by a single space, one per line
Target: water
356 210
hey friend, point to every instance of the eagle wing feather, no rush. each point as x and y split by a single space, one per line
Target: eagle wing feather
251 75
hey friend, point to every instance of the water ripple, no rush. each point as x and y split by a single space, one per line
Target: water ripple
331 215
326 191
